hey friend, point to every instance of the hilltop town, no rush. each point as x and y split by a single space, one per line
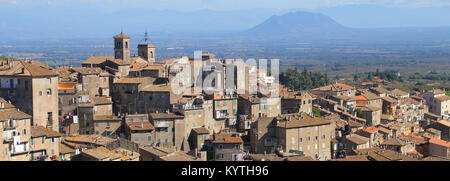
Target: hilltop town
124 108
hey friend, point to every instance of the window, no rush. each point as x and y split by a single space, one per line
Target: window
49 92
107 123
308 138
53 140
24 132
149 138
323 145
43 140
315 137
236 146
40 93
53 151
323 137
97 133
96 124
220 146
32 141
165 140
315 146
300 140
136 139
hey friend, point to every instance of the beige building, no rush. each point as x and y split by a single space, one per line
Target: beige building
169 130
438 102
256 107
33 87
335 89
295 102
303 133
44 144
15 129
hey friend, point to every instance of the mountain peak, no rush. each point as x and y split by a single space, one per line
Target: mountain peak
298 23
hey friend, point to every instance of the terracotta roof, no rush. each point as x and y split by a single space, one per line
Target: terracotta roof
437 91
394 142
389 99
9 112
89 139
414 138
369 95
201 130
398 92
66 149
39 131
371 129
361 98
228 140
30 69
101 153
335 87
97 59
380 90
443 98
165 116
357 139
178 156
140 125
137 66
67 85
444 122
440 142
297 121
121 36
153 67
87 71
384 130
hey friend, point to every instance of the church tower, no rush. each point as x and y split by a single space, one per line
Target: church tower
146 50
122 47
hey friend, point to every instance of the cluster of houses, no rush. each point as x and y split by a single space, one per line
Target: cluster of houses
125 108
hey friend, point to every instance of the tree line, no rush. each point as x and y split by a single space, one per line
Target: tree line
304 80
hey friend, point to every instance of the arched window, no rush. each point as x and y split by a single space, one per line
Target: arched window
49 92
126 44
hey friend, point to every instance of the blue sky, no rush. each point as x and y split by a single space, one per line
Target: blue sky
192 5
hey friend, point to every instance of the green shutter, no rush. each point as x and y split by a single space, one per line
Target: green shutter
149 138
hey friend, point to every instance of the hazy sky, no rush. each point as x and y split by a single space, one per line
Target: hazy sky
191 5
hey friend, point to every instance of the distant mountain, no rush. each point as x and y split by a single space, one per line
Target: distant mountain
297 24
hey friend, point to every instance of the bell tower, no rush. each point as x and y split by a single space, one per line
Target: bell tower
147 50
122 47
